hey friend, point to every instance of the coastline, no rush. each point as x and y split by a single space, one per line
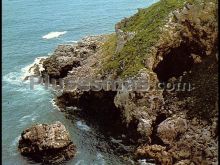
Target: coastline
23 42
155 121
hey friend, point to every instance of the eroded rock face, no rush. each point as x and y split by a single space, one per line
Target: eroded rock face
47 143
188 37
68 59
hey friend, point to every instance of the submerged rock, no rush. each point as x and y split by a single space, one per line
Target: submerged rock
47 143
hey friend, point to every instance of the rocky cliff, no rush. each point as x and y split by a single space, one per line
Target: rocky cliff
170 43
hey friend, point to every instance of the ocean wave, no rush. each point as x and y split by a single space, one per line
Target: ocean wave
53 35
28 118
100 158
80 162
13 78
71 41
12 149
15 141
34 118
17 78
144 162
73 108
25 117
53 102
29 69
82 126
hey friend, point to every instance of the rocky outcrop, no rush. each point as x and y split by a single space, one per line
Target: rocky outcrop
73 59
47 143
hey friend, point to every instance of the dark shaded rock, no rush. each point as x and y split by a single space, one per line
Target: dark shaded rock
59 67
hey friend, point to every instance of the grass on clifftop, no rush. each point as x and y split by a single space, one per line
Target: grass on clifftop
146 24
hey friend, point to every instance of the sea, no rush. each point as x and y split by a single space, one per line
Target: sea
32 29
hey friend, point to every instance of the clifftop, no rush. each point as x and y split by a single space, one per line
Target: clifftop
152 27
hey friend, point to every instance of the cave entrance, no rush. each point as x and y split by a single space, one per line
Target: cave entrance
98 107
175 63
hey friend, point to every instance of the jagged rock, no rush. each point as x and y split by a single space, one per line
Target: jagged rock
70 58
183 162
47 143
58 66
180 151
197 59
156 152
145 127
169 129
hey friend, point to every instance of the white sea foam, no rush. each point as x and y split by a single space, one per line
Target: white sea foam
82 126
15 141
73 108
80 162
53 35
72 41
13 78
29 69
34 118
26 119
100 158
144 162
12 148
53 102
16 78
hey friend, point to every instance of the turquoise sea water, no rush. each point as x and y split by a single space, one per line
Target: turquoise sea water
25 22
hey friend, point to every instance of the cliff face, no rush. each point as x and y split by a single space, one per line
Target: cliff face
170 43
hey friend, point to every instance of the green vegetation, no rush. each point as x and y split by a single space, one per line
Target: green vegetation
146 24
108 50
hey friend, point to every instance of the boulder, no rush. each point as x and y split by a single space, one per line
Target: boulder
169 129
47 143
